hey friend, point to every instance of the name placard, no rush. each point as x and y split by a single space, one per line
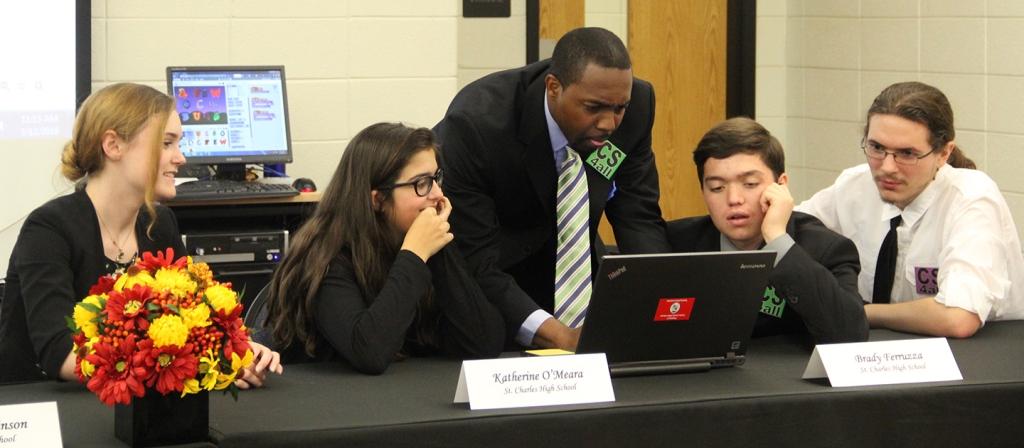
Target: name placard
884 362
534 381
30 425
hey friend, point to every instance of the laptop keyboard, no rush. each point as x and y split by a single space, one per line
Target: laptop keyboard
212 190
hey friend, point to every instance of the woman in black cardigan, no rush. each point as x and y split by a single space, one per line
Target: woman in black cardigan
371 277
125 144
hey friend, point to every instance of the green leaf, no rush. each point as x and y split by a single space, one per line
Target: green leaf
90 307
173 308
71 324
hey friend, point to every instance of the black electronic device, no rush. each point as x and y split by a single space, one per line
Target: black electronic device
673 313
232 116
218 189
237 247
304 185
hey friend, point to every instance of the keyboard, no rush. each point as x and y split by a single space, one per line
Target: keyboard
213 190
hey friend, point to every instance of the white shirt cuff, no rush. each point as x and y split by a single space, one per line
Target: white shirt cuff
529 328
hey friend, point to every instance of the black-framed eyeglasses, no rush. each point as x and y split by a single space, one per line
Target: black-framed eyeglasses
903 156
422 184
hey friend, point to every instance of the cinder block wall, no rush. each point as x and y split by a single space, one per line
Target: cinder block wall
349 63
821 63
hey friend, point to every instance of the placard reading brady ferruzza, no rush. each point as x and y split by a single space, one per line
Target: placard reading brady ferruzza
534 381
884 362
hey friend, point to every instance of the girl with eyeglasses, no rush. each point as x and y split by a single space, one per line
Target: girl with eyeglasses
371 277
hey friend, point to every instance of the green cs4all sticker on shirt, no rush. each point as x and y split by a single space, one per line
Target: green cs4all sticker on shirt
772 304
606 159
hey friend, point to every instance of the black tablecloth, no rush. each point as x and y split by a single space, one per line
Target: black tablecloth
764 402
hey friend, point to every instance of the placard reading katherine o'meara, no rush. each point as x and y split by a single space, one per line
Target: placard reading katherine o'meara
534 381
884 362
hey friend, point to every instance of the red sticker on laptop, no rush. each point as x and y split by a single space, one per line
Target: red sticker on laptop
674 309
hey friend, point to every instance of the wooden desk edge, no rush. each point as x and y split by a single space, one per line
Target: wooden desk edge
302 197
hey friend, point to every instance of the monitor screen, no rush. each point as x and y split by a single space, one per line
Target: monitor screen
232 115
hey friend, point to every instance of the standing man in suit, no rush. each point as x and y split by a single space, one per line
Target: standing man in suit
813 288
525 151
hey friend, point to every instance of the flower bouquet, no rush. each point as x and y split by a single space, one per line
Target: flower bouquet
161 324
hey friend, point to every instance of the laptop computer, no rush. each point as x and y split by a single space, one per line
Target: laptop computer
671 313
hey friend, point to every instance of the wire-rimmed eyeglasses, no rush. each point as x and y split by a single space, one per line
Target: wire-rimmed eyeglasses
904 156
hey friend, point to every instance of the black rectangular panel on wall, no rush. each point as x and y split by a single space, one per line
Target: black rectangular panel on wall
532 31
741 57
83 51
486 8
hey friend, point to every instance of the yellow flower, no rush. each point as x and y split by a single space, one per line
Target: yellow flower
176 281
241 363
134 276
208 369
222 298
191 387
237 364
225 380
196 317
82 316
168 330
87 368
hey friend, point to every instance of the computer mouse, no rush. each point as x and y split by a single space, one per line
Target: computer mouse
304 185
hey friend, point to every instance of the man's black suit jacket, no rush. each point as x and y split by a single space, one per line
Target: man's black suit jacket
500 176
817 278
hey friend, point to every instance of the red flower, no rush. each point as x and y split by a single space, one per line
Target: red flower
170 365
104 285
151 263
117 378
130 307
237 340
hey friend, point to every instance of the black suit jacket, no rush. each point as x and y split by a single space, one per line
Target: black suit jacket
500 176
817 278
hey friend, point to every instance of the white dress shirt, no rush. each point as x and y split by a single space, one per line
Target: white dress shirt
958 235
558 141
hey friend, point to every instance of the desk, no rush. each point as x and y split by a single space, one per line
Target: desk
763 403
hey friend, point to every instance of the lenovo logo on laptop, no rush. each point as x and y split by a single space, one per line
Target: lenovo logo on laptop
616 273
752 266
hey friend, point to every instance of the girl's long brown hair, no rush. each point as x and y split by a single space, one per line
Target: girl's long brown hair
345 225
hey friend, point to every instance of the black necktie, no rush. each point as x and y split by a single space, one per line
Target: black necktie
885 268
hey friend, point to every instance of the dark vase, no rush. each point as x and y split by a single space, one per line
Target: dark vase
157 419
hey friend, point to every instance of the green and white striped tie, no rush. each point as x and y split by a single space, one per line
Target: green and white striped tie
572 262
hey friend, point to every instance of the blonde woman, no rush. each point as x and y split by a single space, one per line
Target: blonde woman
125 145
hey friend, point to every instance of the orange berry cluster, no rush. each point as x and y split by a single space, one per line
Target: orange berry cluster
113 333
202 273
205 338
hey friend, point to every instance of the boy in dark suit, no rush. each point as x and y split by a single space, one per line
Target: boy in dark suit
813 289
508 142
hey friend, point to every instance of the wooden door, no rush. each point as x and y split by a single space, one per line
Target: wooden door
679 46
558 17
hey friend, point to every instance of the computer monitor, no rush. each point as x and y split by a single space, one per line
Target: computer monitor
232 116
